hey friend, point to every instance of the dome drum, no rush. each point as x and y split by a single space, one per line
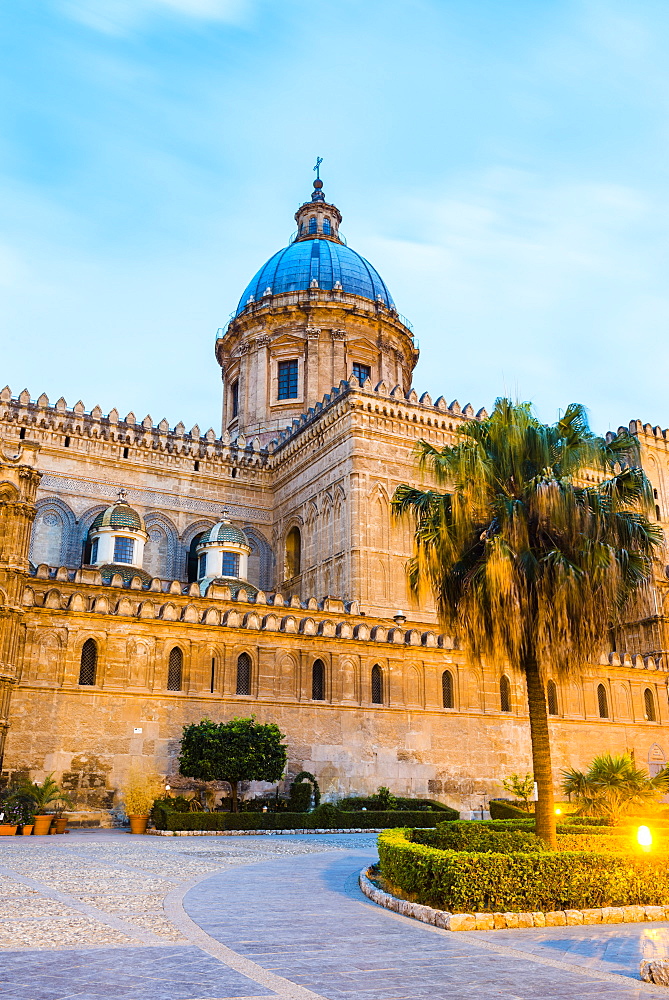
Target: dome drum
223 553
118 537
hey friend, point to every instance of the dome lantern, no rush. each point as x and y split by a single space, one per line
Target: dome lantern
118 536
223 553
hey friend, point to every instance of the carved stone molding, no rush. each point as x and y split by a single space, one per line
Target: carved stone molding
339 334
313 332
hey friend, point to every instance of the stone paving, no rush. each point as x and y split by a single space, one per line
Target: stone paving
97 915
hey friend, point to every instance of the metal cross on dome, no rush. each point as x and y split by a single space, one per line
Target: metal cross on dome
122 494
319 160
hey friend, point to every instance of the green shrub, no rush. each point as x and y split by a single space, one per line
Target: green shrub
468 836
300 797
324 817
505 810
371 803
546 880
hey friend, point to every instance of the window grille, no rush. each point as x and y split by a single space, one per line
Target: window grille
312 224
602 702
175 670
551 698
288 379
234 393
504 694
123 550
94 550
88 665
327 229
649 705
377 685
213 674
202 565
243 674
230 564
361 372
318 681
447 689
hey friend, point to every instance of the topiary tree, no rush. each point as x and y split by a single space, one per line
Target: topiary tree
298 795
239 750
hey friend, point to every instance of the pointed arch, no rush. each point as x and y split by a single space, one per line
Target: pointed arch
53 538
377 685
244 668
447 689
175 667
649 710
552 697
602 702
161 549
504 694
88 663
318 680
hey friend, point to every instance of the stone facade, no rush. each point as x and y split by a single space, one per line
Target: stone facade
309 479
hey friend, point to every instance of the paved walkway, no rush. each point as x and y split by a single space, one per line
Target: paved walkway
97 915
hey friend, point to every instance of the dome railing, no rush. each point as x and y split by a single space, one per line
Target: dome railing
317 236
337 295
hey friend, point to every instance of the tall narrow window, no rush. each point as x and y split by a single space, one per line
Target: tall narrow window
327 228
124 549
361 372
602 702
243 674
312 224
234 397
318 681
202 565
175 670
293 553
552 698
192 564
377 685
504 694
649 705
447 689
88 664
94 551
230 564
288 379
213 674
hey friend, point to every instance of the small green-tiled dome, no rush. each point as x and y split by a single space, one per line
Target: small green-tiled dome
224 531
119 515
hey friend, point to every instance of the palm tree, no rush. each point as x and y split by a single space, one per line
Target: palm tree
612 786
528 556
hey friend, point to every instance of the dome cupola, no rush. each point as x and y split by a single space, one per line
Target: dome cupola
223 554
117 538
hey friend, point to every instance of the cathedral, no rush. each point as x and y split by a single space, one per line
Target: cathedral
152 575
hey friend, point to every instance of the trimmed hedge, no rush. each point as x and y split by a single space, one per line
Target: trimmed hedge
505 810
468 836
324 817
546 880
371 804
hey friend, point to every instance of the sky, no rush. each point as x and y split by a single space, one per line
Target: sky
504 166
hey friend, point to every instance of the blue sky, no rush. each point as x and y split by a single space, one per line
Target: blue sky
502 164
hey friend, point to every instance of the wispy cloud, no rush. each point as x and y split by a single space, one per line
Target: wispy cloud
122 16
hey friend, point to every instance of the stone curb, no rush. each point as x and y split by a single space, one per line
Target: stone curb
498 921
247 833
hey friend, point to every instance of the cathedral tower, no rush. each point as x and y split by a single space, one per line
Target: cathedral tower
314 314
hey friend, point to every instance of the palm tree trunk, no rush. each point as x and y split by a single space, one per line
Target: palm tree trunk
235 802
541 753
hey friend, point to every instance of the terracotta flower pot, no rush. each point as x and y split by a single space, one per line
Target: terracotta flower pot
27 829
138 824
6 830
60 824
42 825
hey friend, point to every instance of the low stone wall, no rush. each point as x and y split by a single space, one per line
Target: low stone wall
498 921
247 833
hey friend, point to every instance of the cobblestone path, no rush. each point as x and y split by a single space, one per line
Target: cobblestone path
105 916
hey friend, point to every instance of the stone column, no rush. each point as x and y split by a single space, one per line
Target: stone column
339 370
18 487
312 393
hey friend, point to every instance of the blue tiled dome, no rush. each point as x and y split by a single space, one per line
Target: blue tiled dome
293 269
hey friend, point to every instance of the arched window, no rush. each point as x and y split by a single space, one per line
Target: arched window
243 674
88 665
602 702
312 224
293 553
318 681
447 689
327 228
191 558
377 685
649 706
552 698
175 669
504 694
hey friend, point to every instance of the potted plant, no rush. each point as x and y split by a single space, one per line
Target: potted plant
46 794
139 794
10 815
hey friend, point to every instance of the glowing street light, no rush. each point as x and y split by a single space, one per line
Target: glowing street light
558 811
644 837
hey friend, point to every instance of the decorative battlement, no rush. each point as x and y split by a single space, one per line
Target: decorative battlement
185 604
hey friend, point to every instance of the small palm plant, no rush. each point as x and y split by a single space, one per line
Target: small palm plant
47 794
613 786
